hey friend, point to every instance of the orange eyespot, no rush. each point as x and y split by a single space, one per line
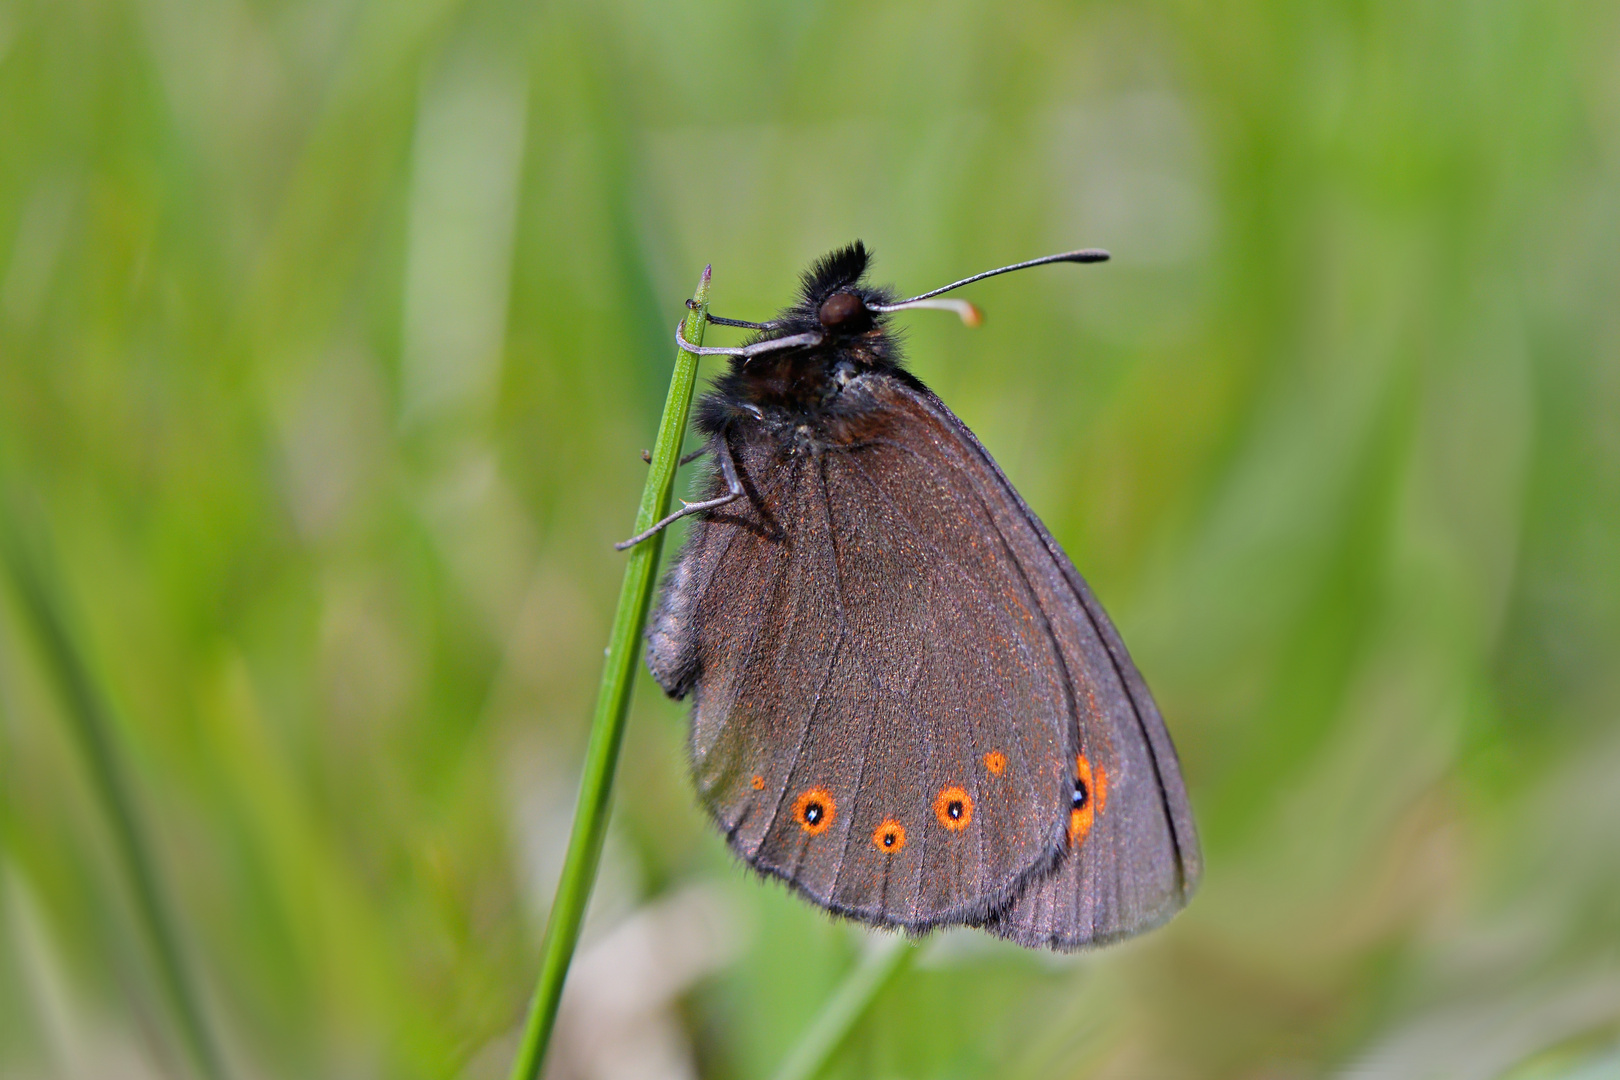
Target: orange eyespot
814 810
889 837
954 808
758 783
996 762
1090 796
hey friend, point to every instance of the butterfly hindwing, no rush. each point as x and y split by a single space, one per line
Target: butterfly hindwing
1131 857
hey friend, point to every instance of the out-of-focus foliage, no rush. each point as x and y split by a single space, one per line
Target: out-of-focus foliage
330 332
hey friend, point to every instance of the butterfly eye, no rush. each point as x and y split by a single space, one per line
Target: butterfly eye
840 309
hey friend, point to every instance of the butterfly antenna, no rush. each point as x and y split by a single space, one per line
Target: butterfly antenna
967 311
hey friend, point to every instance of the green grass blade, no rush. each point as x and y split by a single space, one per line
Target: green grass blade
90 717
612 704
889 956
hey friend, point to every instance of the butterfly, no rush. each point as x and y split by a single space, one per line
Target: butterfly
906 702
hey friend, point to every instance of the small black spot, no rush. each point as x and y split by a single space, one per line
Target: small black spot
812 813
1080 796
954 810
888 839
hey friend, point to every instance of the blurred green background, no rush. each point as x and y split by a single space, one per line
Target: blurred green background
330 332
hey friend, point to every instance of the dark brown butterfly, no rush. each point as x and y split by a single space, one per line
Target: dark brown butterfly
906 702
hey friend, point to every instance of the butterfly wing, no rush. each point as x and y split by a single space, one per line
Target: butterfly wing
1127 867
883 713
1131 858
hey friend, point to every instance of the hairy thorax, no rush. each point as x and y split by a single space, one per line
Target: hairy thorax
811 402
846 412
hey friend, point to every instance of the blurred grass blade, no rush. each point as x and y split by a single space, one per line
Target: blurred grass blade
90 718
612 704
889 955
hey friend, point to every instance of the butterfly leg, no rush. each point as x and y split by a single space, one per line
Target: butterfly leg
718 321
646 455
734 491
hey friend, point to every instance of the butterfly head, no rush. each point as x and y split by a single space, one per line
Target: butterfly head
804 359
840 312
831 336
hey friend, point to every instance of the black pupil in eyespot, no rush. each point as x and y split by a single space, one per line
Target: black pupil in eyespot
955 810
1079 794
812 813
888 839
